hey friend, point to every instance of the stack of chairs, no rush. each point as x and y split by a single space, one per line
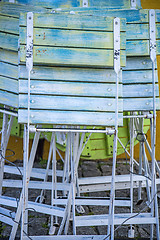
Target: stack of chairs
72 70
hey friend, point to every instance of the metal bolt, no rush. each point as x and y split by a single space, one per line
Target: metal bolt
144 76
109 104
32 86
32 101
143 63
116 23
117 40
147 103
32 116
109 89
30 18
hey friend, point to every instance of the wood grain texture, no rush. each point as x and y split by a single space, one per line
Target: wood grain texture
8 84
9 70
139 90
69 103
9 56
69 117
72 38
9 24
72 56
70 88
140 104
143 76
9 99
69 74
9 41
71 21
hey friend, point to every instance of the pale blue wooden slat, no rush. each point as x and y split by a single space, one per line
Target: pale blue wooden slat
139 90
143 76
138 63
8 84
72 56
70 88
69 74
72 38
9 41
8 99
9 56
9 70
140 104
69 103
69 117
137 48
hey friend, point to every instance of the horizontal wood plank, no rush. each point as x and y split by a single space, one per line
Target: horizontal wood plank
72 38
139 90
9 24
9 56
69 103
8 70
9 99
69 117
9 41
72 21
143 76
8 84
138 63
70 88
69 74
140 104
72 56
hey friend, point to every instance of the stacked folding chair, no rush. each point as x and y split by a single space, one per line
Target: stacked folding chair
73 74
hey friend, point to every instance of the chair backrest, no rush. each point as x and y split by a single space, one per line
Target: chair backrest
137 75
9 35
73 79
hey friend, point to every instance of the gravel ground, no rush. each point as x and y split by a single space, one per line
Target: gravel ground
39 223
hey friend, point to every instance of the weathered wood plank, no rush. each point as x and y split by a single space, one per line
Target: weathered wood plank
9 41
143 76
69 103
69 74
70 88
9 56
71 21
77 3
136 16
8 84
69 117
9 70
72 56
139 90
140 104
72 38
138 63
9 24
9 99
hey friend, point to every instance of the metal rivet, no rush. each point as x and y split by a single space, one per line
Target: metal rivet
30 18
147 103
32 101
117 40
32 116
109 104
32 86
152 14
144 76
109 89
116 23
29 36
146 90
143 63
